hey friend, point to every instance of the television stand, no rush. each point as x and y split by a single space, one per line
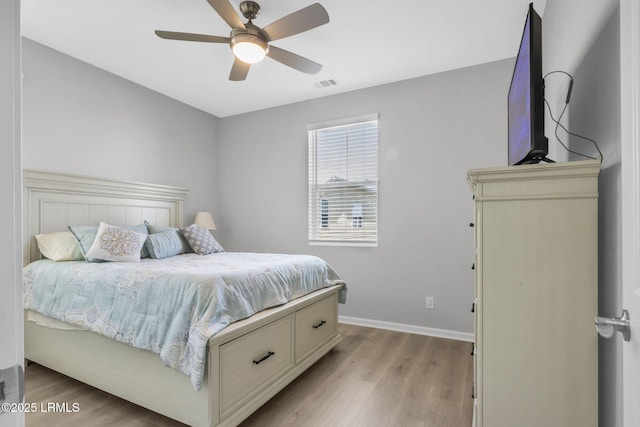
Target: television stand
536 294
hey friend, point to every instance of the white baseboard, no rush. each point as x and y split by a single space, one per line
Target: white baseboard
412 329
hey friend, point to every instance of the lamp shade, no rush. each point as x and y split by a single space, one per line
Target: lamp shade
205 219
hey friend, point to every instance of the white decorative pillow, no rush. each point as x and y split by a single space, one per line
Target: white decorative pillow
59 246
116 244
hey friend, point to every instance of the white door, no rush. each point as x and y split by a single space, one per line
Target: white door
11 342
630 113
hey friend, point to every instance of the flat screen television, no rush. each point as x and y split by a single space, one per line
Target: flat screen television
527 143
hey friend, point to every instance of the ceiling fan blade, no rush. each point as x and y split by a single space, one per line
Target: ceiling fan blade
239 70
298 22
173 35
227 12
294 61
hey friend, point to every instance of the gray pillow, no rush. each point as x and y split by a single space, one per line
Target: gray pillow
200 240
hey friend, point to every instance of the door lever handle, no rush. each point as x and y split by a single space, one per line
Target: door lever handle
607 326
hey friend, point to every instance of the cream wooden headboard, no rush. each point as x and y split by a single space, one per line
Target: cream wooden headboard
54 201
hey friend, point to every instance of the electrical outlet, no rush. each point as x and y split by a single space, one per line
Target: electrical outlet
430 303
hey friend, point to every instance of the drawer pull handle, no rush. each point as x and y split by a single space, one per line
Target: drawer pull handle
317 325
265 357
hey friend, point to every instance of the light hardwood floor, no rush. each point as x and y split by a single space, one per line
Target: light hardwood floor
372 378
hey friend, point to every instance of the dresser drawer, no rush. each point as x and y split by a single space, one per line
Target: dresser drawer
253 361
315 324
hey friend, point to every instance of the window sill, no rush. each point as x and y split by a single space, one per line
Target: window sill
352 244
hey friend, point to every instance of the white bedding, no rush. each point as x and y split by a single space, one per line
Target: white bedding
171 306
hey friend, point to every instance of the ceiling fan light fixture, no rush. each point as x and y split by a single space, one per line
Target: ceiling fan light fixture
250 43
249 48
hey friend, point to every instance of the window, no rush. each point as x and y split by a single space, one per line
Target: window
343 182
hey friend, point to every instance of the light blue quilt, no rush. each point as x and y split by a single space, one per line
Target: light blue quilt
171 306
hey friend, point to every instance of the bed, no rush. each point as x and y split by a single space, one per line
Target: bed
244 364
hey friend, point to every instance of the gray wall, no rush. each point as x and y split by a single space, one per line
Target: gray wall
595 112
569 28
82 120
439 126
251 170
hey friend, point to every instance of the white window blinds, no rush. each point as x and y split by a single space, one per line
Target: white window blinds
343 182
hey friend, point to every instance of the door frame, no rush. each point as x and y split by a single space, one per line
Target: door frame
11 318
630 194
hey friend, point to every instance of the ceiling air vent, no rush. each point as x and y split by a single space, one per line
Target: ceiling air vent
326 83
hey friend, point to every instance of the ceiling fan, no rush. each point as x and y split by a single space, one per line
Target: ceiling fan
250 43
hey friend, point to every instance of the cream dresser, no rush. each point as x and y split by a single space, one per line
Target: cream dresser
536 289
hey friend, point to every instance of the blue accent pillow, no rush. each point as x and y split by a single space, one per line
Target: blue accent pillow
201 240
155 229
165 244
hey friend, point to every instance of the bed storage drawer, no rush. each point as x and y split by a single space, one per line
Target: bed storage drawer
252 361
314 325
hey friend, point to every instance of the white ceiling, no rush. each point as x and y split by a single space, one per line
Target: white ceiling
366 43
